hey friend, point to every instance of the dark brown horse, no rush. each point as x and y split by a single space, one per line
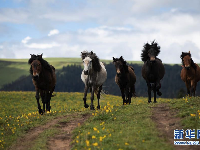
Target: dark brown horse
125 79
190 73
44 80
153 70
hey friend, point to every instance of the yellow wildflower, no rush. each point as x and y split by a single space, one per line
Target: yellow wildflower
193 115
126 144
93 137
95 144
95 129
87 142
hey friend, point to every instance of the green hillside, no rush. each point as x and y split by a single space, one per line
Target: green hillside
12 69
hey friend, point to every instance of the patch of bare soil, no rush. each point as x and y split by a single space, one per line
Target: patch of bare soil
59 141
166 122
62 141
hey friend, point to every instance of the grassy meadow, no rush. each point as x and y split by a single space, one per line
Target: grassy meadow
114 126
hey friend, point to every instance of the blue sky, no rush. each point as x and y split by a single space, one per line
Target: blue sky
64 28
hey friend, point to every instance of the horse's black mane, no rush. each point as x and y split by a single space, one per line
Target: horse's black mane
43 62
95 60
125 66
147 47
192 62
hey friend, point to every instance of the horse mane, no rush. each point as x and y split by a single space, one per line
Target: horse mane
43 62
95 60
147 47
192 62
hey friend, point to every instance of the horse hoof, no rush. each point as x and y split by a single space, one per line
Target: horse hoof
40 111
98 107
155 102
159 93
149 101
86 105
92 107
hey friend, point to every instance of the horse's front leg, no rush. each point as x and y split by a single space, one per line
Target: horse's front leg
188 86
38 103
149 92
154 90
123 95
85 95
98 96
130 95
92 98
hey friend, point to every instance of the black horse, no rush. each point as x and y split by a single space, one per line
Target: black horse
153 70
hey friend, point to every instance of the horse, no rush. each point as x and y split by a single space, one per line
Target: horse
125 78
93 76
190 73
153 70
44 80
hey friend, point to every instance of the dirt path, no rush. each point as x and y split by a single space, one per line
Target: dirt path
166 122
61 141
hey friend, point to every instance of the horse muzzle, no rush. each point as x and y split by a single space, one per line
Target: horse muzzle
188 67
85 72
36 77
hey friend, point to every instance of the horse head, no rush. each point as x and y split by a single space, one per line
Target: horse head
87 62
186 60
120 65
36 68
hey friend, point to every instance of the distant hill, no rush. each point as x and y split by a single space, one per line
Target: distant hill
13 69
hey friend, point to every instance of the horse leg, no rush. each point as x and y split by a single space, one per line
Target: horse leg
149 92
154 90
85 95
98 96
193 87
92 98
123 95
48 107
158 86
188 85
37 98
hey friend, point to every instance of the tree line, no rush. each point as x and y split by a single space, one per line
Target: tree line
69 80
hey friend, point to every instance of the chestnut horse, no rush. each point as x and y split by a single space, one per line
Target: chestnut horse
190 73
125 79
44 80
153 70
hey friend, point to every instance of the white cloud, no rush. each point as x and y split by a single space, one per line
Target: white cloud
53 32
42 45
25 40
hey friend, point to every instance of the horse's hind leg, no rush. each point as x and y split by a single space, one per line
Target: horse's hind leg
92 98
37 98
98 96
48 107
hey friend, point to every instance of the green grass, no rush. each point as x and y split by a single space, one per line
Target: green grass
112 127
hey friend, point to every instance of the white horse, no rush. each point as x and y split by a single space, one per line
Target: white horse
93 75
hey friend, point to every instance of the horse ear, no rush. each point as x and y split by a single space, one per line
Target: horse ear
114 59
40 56
121 58
189 52
91 52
